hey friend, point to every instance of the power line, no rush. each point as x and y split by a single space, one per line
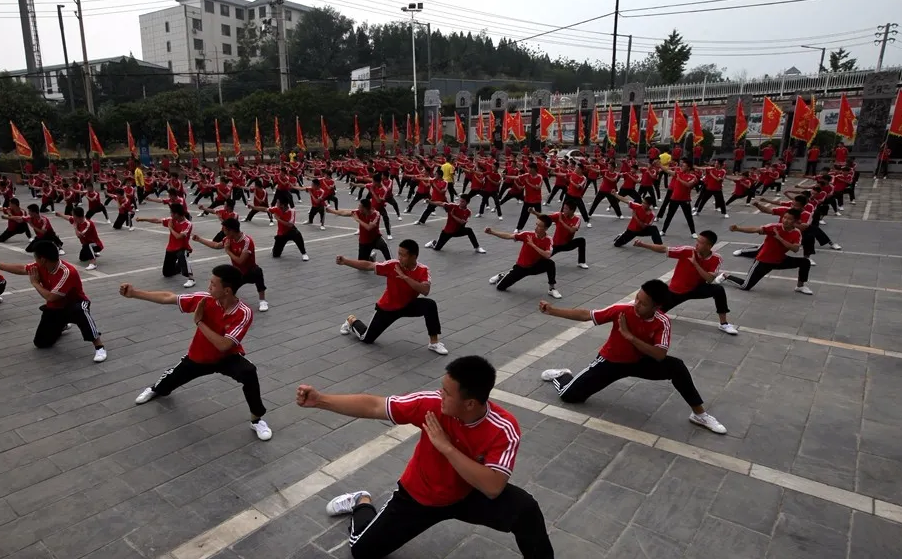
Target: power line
717 9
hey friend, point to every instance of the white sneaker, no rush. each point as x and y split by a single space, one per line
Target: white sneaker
305 258
726 216
708 421
811 261
322 227
271 223
748 204
264 433
200 214
555 293
108 222
853 202
264 306
694 212
805 290
438 347
495 279
345 328
663 233
62 252
719 279
822 222
344 504
621 216
838 214
737 253
549 375
656 219
480 250
583 265
842 209
500 218
516 231
589 225
99 355
728 328
478 215
607 209
372 256
1 299
132 228
145 396
91 266
695 235
189 283
67 327
835 246
389 237
430 244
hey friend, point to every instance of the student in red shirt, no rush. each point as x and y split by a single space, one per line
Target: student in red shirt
43 229
456 226
491 183
534 258
241 250
532 195
261 199
713 178
178 248
840 154
779 238
738 158
767 153
286 230
640 224
16 222
883 155
65 302
680 196
608 191
86 231
814 155
637 347
368 235
460 469
566 224
318 201
222 321
406 279
694 274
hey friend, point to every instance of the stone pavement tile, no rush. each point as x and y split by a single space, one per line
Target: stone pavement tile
160 446
36 551
879 477
638 467
32 452
719 538
26 476
207 478
278 538
675 509
274 476
346 438
567 545
158 472
119 549
815 510
602 514
874 538
571 472
552 503
53 489
638 543
748 502
880 439
310 552
478 547
166 533
100 447
802 539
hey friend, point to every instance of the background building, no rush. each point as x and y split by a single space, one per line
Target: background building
202 36
49 81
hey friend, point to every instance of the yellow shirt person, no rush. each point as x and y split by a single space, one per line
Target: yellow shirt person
139 177
447 172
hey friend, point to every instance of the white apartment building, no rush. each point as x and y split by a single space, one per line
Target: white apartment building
201 36
50 87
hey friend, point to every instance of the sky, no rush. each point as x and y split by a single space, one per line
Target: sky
748 42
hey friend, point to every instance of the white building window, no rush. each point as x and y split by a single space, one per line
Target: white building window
250 14
227 49
197 24
262 12
168 46
287 15
208 6
169 65
166 25
199 63
226 30
224 10
239 13
198 44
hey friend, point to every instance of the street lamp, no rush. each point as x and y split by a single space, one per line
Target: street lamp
413 8
823 50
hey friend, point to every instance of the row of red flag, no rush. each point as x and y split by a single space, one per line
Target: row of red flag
805 126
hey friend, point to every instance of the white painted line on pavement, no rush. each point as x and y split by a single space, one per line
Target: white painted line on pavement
867 211
830 283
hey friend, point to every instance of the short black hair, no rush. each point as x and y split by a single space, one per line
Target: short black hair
801 199
229 275
78 212
410 246
177 209
47 250
569 203
14 201
230 203
475 375
232 224
658 291
366 203
467 196
34 208
710 235
649 200
794 213
544 219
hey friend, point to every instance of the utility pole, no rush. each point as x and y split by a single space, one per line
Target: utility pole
823 50
278 8
59 13
413 8
614 53
33 69
429 54
86 69
629 52
883 37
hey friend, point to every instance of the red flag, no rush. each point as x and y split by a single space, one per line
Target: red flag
680 124
92 139
742 123
171 145
491 133
546 119
459 129
49 143
258 141
430 131
521 126
593 133
480 128
560 128
846 125
324 133
395 136
300 135
409 136
803 121
356 133
612 128
580 132
895 127
22 147
416 129
770 117
651 122
191 145
381 131
698 135
277 134
505 127
132 148
633 131
218 142
236 143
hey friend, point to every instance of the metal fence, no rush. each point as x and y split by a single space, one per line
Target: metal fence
778 87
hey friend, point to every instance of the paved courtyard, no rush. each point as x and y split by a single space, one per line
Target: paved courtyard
809 392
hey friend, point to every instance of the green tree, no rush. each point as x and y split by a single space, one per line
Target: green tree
75 74
840 61
704 73
22 104
125 80
672 56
